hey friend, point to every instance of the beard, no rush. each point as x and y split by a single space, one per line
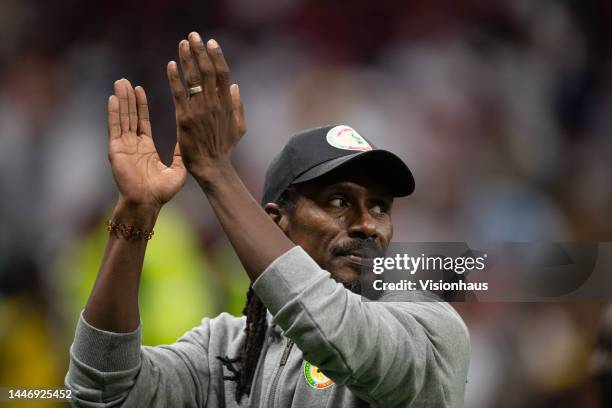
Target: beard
368 248
354 286
351 282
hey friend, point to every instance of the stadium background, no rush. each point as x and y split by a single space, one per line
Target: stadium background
502 109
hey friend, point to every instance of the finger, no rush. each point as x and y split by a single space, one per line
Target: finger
144 124
124 115
114 121
133 112
222 73
176 87
238 109
177 159
207 70
190 71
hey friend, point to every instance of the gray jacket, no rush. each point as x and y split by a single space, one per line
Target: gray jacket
382 354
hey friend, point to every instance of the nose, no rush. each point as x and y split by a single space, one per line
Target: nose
362 225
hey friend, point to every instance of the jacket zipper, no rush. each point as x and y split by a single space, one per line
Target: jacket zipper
281 366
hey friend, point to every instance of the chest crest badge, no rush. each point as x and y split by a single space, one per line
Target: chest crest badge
315 378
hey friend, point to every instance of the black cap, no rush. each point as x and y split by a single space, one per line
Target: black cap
315 152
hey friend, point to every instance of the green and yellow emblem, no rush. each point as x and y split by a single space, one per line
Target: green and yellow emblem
315 378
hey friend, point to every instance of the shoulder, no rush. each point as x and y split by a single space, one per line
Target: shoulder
445 340
439 321
224 328
227 325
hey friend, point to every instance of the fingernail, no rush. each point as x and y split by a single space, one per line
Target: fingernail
212 43
196 36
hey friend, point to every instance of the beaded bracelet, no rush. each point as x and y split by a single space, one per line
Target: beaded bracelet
129 232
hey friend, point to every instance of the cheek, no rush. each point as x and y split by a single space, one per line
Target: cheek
314 230
387 231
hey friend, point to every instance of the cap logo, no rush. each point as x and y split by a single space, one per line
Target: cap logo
347 138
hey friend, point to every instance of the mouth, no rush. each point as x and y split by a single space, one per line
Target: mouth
357 258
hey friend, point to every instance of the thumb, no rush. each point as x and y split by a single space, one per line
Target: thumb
177 159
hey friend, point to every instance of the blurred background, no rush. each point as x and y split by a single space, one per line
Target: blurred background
503 110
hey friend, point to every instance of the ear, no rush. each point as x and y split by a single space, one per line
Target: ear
277 215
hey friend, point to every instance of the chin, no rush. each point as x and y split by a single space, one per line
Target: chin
345 272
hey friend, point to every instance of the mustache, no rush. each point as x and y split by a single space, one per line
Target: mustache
366 248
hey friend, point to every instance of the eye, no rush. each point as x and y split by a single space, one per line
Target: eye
338 202
380 208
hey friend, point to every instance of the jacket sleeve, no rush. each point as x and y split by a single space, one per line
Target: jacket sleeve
113 369
387 353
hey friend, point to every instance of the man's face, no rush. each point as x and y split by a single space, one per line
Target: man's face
342 220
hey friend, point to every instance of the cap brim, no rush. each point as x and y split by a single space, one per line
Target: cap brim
383 162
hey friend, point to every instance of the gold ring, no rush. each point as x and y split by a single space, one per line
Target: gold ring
195 89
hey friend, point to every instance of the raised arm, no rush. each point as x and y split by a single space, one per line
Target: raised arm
145 184
210 124
108 366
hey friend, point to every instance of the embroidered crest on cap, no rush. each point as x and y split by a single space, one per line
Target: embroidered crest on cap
345 137
315 378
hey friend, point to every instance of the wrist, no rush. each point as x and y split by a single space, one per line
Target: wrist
210 176
141 216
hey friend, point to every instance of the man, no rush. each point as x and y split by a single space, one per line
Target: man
306 341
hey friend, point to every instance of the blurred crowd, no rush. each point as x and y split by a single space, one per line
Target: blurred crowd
503 110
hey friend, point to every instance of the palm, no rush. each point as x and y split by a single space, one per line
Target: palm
138 171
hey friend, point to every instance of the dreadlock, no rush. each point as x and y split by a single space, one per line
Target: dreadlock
255 330
256 327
